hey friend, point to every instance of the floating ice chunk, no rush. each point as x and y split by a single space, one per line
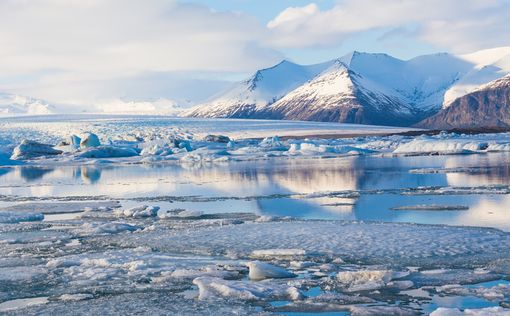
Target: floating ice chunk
301 264
157 150
425 145
217 139
75 297
366 280
22 273
211 288
90 140
262 270
488 311
500 291
431 207
22 303
208 271
382 311
273 143
183 144
11 217
400 285
139 211
107 152
271 253
72 142
61 207
189 213
266 218
108 228
29 149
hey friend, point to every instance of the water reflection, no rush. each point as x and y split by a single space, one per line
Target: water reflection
288 177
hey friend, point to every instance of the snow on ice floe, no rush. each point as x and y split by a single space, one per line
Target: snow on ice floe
158 143
60 207
29 149
108 228
89 140
488 311
213 288
263 270
303 265
355 281
138 211
12 217
275 253
402 243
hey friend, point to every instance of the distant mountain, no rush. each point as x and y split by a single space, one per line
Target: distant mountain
247 98
488 106
359 88
12 104
341 95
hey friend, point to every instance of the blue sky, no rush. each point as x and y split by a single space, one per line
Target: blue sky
369 41
77 53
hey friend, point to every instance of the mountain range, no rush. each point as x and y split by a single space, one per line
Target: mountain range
432 91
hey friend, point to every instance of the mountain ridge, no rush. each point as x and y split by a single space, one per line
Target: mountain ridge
408 91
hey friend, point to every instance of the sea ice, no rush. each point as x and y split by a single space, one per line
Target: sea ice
488 311
262 270
366 280
107 152
89 140
139 211
108 228
214 288
12 217
29 149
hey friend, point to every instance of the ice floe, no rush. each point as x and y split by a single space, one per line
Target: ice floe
29 149
355 281
12 217
488 311
263 270
213 288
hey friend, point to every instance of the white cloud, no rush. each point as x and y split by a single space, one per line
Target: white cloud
52 45
456 25
290 15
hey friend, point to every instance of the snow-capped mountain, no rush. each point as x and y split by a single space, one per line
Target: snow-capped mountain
248 97
340 94
360 88
487 106
12 104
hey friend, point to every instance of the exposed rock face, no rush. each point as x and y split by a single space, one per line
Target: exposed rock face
341 95
489 107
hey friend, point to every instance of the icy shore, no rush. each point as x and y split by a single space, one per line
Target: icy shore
55 140
237 263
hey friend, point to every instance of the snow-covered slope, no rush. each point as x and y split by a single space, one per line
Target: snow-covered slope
11 104
341 95
266 86
378 85
486 65
487 106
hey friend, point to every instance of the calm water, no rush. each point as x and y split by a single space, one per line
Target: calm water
284 187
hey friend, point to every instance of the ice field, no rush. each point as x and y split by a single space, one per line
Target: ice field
159 216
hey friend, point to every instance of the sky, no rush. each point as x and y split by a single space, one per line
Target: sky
78 53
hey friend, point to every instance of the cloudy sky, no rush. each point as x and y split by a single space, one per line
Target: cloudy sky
75 52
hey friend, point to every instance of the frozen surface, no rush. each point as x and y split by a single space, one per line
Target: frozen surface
206 263
105 140
194 224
